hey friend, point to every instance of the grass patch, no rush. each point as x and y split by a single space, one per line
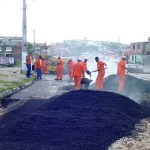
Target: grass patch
6 85
3 75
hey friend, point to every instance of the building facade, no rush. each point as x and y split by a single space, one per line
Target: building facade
140 52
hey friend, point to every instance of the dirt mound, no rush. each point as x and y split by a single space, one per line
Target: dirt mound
77 120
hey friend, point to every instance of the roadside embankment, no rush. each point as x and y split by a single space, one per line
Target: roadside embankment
11 81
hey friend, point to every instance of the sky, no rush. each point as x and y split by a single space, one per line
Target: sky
126 21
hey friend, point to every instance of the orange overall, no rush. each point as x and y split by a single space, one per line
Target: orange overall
43 66
70 68
59 69
100 76
121 75
84 66
77 74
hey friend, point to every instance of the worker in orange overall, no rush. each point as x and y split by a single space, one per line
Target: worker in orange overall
38 66
78 71
84 63
28 64
101 73
121 66
70 68
59 69
43 66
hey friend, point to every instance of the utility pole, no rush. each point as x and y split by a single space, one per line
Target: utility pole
24 36
118 47
34 39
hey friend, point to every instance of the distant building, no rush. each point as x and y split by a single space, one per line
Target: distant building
11 46
140 52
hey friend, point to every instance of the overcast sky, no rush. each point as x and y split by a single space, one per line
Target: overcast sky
57 20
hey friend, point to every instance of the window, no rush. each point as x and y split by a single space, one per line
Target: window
133 46
138 46
9 49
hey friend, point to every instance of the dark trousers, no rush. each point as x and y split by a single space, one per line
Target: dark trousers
39 73
28 70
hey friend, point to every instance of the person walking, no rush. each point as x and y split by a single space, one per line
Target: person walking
78 71
121 67
38 66
69 65
28 64
59 69
101 73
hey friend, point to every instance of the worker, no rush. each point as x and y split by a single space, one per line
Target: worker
43 66
84 63
69 65
101 73
78 71
28 64
38 66
59 66
121 66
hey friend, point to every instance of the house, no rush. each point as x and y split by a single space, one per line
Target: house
140 52
11 47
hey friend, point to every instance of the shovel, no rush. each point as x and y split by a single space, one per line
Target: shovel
89 72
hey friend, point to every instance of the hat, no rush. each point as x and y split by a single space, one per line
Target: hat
79 59
123 57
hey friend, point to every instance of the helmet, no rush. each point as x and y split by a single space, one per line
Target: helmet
79 59
123 57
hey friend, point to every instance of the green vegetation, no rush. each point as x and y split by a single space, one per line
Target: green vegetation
18 64
6 85
3 75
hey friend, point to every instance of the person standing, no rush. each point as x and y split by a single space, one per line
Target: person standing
59 69
70 68
101 73
28 64
38 66
84 63
43 66
78 71
121 66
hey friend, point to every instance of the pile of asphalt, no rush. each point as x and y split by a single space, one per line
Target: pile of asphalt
77 120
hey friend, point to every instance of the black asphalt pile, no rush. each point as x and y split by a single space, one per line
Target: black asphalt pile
77 120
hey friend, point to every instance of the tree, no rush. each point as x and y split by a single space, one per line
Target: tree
29 47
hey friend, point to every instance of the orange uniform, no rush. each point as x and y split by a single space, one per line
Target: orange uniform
59 69
100 76
77 74
38 63
28 59
70 68
84 63
43 66
121 74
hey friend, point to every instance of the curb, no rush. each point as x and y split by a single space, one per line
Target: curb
9 92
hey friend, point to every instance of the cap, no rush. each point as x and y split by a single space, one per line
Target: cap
124 57
79 59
